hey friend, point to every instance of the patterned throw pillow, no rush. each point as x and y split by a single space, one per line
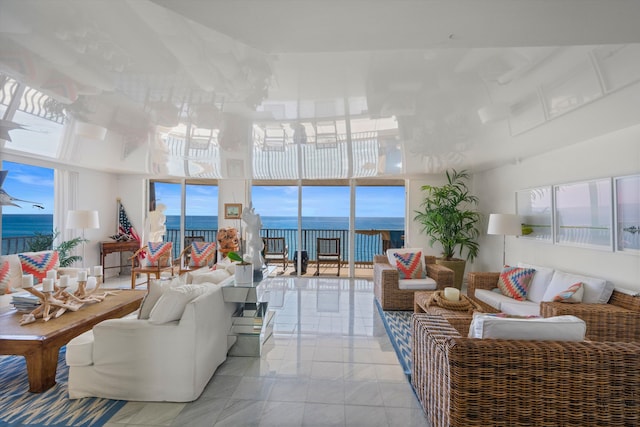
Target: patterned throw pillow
573 294
38 264
514 282
4 278
157 251
409 265
201 253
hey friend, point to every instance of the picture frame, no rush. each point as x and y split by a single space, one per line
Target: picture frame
627 213
535 208
232 210
584 214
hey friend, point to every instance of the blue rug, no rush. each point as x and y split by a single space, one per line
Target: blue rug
398 327
53 408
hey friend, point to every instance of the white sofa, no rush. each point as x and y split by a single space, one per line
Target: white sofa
169 356
545 284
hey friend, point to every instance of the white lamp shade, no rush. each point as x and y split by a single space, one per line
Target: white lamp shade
83 219
505 224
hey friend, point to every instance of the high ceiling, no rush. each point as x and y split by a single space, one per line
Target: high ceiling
432 65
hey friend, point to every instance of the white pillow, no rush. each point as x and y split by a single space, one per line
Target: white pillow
558 328
171 304
213 276
392 259
156 288
539 282
596 291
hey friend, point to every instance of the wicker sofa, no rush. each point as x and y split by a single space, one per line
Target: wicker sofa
386 281
618 320
469 382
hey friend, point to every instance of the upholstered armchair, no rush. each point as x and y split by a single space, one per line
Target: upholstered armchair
394 293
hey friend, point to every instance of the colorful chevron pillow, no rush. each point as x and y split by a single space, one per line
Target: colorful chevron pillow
573 294
514 282
201 253
38 263
158 252
409 265
4 278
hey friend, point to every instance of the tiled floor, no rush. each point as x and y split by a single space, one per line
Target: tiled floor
329 363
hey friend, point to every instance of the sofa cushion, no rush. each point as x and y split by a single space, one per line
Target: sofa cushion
156 288
409 265
573 294
539 282
426 284
514 282
201 253
520 308
38 263
210 276
558 328
172 303
494 298
4 278
596 291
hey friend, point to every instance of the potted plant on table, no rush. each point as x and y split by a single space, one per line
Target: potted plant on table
244 270
448 217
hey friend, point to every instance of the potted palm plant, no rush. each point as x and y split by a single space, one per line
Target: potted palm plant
448 217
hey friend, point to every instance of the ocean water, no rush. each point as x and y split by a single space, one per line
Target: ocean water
26 225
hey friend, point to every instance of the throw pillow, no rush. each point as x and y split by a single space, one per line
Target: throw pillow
573 294
157 252
409 265
201 253
172 303
514 282
157 287
38 263
4 278
215 277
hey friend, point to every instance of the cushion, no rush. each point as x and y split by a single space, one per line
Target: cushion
38 263
157 287
426 284
572 294
558 328
157 251
80 350
539 282
520 308
172 303
201 253
4 278
409 265
514 282
211 276
596 291
494 299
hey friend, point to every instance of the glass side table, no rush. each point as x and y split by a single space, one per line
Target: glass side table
252 322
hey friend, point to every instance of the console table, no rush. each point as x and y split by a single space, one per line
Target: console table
107 248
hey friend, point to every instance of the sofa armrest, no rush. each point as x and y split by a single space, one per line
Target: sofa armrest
605 322
441 274
481 280
623 300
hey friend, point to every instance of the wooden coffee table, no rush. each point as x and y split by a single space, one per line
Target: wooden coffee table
40 342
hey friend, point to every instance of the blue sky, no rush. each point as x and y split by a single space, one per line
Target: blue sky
36 184
31 183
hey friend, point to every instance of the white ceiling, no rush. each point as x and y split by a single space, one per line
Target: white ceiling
427 62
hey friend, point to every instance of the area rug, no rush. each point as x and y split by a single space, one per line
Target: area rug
53 408
398 327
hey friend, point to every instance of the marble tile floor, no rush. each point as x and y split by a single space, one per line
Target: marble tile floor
328 363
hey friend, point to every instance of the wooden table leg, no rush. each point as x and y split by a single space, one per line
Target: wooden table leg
41 368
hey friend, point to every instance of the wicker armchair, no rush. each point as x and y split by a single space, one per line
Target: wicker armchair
466 382
385 282
618 320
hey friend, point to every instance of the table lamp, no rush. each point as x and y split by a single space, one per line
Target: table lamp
83 220
506 225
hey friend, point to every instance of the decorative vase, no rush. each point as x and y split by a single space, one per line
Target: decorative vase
244 274
458 266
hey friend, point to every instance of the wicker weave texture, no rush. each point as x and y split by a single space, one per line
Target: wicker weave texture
385 282
618 320
472 382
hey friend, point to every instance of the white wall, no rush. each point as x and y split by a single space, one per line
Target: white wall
613 154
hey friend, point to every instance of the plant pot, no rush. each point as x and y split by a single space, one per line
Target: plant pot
244 274
457 265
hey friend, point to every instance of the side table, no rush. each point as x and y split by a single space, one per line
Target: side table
107 248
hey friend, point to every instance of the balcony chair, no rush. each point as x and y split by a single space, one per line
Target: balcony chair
327 250
153 258
275 248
